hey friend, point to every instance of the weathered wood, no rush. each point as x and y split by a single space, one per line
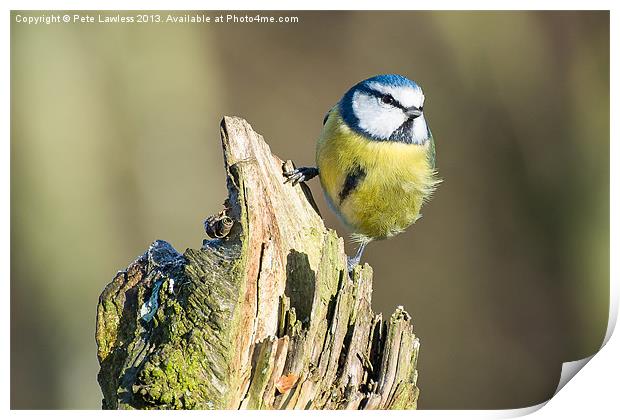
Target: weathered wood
264 316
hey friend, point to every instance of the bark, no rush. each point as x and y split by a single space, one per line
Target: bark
264 316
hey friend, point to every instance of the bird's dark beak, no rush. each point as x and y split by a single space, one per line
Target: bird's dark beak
413 112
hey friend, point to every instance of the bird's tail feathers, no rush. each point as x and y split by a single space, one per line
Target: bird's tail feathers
358 238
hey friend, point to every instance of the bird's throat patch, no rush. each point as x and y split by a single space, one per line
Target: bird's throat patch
404 133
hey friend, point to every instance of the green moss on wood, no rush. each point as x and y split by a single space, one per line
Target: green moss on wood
325 335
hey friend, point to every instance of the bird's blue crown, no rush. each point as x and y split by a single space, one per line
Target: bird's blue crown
390 80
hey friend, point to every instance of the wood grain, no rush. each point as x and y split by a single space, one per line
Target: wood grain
263 317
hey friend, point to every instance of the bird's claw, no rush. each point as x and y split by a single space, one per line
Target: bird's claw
351 263
298 175
294 177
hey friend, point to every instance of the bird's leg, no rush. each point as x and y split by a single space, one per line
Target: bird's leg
353 261
302 174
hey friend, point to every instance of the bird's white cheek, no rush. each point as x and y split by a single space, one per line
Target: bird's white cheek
382 124
376 119
420 130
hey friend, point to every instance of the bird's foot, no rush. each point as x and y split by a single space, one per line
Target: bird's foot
298 175
352 262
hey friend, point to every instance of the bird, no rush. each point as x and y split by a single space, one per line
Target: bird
375 158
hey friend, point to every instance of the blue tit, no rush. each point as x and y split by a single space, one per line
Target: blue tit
375 159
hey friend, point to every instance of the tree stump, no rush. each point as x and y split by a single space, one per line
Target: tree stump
264 316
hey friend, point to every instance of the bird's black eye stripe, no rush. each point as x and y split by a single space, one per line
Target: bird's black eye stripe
388 99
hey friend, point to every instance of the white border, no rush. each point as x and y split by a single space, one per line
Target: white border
593 394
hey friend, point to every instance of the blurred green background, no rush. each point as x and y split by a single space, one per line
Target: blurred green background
115 143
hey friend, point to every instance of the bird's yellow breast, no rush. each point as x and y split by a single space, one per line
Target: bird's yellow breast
390 180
